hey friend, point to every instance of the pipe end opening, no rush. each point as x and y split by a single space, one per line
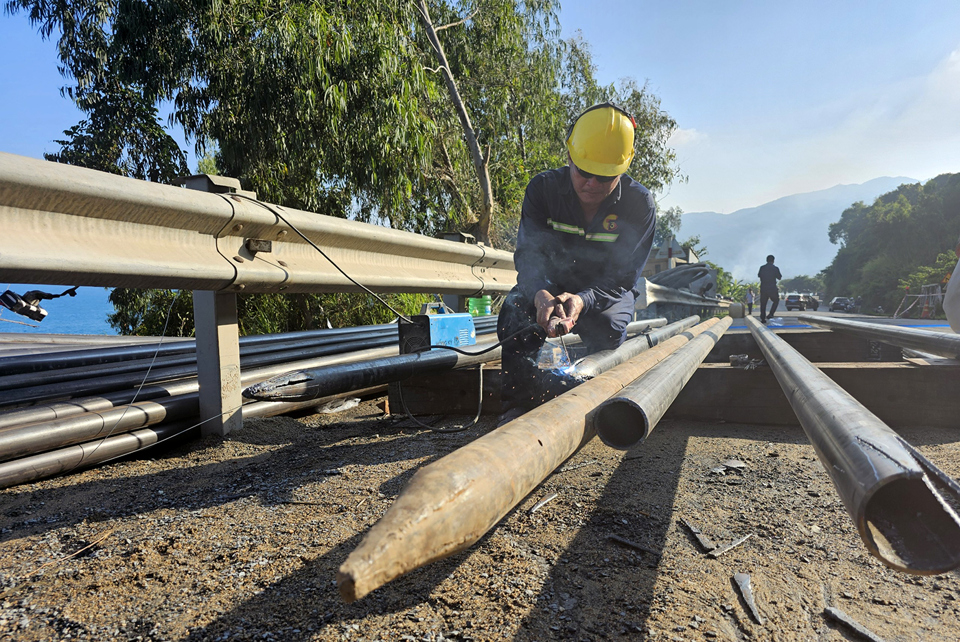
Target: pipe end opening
620 424
908 527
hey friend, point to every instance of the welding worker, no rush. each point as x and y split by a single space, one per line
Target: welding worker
585 234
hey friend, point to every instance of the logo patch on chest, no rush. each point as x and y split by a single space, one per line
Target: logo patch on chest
610 223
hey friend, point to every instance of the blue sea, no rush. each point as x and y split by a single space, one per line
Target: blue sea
85 313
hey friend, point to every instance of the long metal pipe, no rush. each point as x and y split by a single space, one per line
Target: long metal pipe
592 365
49 376
902 505
102 384
451 503
78 406
251 344
628 418
91 453
110 383
303 385
58 410
944 344
18 440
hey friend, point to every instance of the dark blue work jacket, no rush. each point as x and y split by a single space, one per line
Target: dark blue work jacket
602 261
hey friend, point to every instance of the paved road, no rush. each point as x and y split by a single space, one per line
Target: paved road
785 319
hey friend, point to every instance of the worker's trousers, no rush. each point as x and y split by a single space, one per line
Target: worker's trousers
768 296
523 383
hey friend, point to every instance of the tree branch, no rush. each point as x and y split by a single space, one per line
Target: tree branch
458 22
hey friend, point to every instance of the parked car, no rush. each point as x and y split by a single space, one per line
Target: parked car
840 303
795 302
813 303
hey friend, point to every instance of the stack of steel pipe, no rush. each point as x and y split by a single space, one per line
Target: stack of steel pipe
59 430
36 440
50 376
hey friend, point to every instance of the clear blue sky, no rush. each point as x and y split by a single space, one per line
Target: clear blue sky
775 98
771 98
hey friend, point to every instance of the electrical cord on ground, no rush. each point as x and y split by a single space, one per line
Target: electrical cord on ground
419 423
532 327
293 227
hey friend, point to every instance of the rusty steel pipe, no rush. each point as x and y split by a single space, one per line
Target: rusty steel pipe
628 418
944 344
901 503
451 503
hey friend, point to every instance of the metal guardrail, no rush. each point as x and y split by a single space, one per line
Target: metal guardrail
66 225
650 293
74 226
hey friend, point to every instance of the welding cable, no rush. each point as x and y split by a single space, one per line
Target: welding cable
293 227
163 333
156 443
476 418
534 327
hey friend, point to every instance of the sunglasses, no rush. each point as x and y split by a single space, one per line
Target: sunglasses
600 179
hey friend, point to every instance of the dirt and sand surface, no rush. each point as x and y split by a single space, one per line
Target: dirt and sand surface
239 538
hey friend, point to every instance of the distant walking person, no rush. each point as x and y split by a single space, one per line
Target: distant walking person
750 298
769 274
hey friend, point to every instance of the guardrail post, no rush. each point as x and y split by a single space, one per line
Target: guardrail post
218 361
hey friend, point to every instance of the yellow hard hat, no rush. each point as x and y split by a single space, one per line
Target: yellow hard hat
600 141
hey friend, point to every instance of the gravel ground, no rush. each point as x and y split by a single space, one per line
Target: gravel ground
240 539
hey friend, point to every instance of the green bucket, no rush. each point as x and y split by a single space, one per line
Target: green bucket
480 306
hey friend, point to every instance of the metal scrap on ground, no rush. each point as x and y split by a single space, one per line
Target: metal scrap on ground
705 542
717 553
839 616
543 502
743 583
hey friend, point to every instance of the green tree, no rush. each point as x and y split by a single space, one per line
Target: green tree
902 233
803 283
668 224
336 107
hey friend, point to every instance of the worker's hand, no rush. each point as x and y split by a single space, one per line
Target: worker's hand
557 314
546 305
572 306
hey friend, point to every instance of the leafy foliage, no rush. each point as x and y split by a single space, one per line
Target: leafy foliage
144 312
668 224
729 287
900 239
333 107
802 283
122 135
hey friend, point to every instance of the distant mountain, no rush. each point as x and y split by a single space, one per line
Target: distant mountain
793 228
